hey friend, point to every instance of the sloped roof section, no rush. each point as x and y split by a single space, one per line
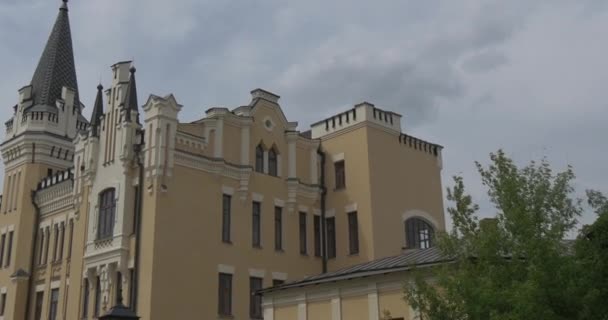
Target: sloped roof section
405 261
56 67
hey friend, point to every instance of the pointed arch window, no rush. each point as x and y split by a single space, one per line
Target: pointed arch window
107 210
273 162
259 158
418 234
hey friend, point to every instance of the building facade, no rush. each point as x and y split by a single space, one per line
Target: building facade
189 218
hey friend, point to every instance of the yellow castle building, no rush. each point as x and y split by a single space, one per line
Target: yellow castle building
185 220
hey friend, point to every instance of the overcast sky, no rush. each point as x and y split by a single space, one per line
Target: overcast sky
527 76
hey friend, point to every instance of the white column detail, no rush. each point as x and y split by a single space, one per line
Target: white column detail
314 175
372 300
218 151
336 309
245 137
302 311
291 155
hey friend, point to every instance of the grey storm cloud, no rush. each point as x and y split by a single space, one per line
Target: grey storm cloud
472 75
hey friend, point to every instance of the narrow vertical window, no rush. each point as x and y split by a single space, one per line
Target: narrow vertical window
255 300
278 228
53 304
2 304
135 209
317 235
259 158
97 296
61 240
9 249
118 287
302 227
225 294
256 240
40 248
85 299
47 236
226 207
38 310
107 208
340 173
132 290
418 234
2 244
71 223
353 233
331 237
273 168
55 241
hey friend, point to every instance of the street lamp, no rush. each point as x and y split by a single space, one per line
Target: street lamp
119 311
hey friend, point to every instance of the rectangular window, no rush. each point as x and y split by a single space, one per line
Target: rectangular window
85 299
339 169
278 228
277 282
38 310
135 209
97 297
2 303
132 290
55 242
302 224
107 208
226 207
317 227
53 304
2 244
118 288
255 300
256 239
331 237
9 249
41 248
225 294
71 238
353 233
61 240
47 236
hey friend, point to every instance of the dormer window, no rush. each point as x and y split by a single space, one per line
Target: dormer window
418 234
107 210
259 158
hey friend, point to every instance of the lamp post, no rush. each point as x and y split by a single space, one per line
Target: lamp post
120 311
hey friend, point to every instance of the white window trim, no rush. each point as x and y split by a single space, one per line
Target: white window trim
258 273
279 276
303 209
257 197
279 203
351 207
227 190
337 157
223 268
56 284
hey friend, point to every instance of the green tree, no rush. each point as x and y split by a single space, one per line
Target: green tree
516 266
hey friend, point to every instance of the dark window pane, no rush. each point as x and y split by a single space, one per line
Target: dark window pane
255 302
278 228
339 168
225 294
2 304
259 158
9 249
317 231
353 233
226 207
272 163
38 310
97 297
256 227
53 304
418 234
107 207
302 224
331 237
2 244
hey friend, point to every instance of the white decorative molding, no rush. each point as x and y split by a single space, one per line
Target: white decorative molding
40 287
222 268
337 157
227 190
302 208
11 228
55 284
257 197
302 314
279 203
351 208
336 308
3 290
330 213
373 307
258 273
279 276
317 212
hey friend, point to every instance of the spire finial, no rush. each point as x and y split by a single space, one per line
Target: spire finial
64 5
99 87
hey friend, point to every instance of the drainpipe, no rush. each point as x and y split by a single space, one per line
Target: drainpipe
321 154
32 254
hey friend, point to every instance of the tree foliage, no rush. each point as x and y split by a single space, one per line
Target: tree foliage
517 265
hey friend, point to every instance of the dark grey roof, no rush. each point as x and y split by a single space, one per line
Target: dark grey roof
130 103
56 67
97 110
405 261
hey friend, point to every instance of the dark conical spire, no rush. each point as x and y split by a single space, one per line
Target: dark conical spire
56 67
130 103
97 111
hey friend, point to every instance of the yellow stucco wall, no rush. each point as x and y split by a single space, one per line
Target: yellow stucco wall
355 308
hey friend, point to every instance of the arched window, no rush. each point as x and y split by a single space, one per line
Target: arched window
107 209
259 158
418 234
273 162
